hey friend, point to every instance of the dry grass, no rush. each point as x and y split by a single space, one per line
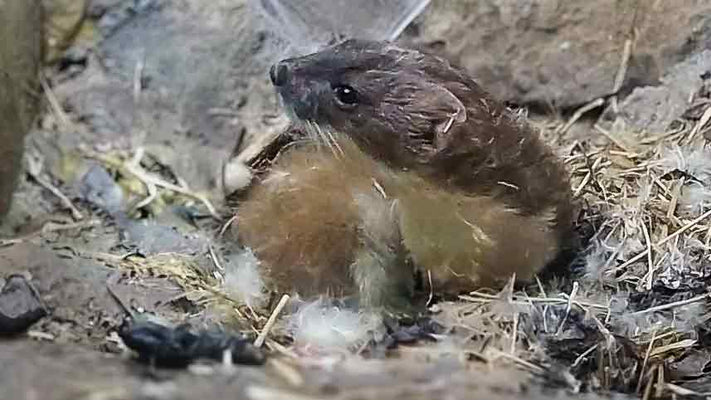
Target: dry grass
636 305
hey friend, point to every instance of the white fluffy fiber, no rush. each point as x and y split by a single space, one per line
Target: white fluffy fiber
696 194
243 282
317 324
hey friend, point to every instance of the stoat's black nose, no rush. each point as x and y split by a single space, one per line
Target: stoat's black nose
279 74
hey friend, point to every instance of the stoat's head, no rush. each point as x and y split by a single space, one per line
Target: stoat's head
399 105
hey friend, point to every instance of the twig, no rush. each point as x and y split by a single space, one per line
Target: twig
34 169
650 382
271 321
216 262
612 138
152 195
650 262
487 298
214 258
578 114
540 287
49 227
646 358
670 305
76 214
580 358
514 334
676 191
227 225
532 367
149 179
705 118
609 339
660 383
588 177
624 63
120 302
54 103
227 360
573 292
274 345
682 344
429 280
150 187
586 180
379 188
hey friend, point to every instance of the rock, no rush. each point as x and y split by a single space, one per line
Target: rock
154 237
112 14
196 64
98 8
20 306
99 188
179 346
652 109
20 56
564 53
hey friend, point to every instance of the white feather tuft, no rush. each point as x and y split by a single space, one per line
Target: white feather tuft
695 197
328 327
243 281
696 194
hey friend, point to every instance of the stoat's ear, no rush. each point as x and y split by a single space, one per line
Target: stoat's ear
448 109
432 112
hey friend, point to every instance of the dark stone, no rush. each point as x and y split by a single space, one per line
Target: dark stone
20 306
178 347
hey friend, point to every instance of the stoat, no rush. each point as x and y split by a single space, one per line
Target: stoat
412 170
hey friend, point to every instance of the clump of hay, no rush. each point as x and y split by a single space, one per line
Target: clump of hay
635 310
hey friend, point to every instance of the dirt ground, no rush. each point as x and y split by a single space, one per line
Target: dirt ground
125 187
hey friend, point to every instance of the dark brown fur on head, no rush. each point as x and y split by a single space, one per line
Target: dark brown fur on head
416 111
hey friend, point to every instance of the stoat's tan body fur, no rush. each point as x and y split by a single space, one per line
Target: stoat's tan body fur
334 220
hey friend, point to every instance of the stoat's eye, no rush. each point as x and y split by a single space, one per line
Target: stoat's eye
346 95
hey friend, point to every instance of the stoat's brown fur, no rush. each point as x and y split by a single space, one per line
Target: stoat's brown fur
344 224
320 221
419 170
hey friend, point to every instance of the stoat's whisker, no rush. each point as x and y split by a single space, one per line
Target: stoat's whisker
311 131
322 137
334 141
326 139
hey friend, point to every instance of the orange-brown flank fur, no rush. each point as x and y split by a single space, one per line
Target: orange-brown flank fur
302 220
304 224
